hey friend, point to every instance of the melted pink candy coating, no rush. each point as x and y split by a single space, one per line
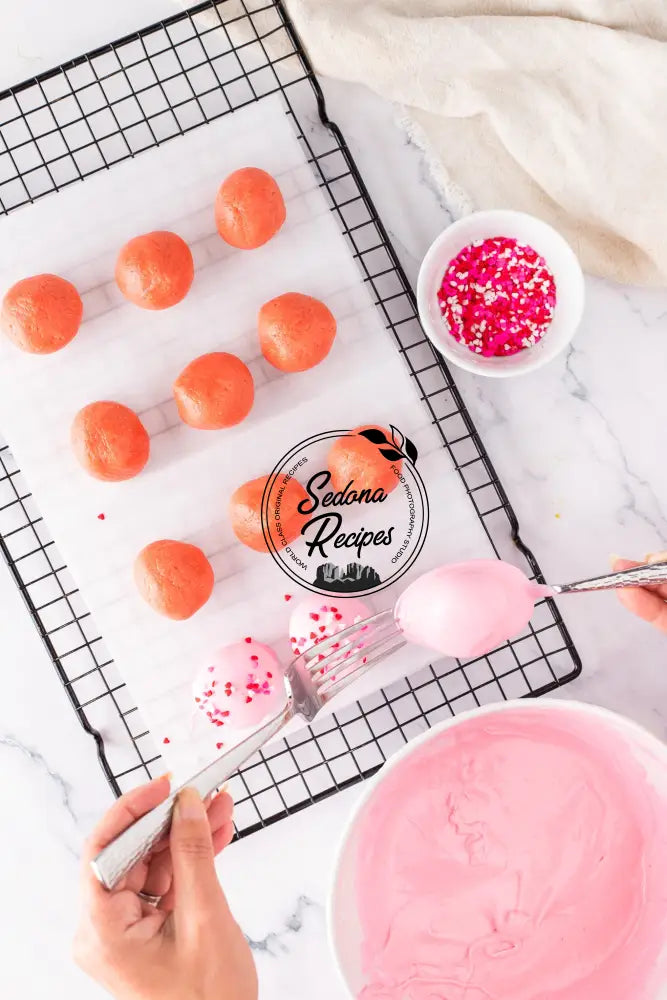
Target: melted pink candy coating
515 857
466 609
240 686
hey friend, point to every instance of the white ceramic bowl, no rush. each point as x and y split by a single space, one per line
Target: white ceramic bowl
343 916
562 263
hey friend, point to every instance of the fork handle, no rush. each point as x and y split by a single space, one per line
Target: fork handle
640 576
134 843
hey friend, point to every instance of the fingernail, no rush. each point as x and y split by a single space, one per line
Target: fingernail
614 558
656 557
189 804
166 776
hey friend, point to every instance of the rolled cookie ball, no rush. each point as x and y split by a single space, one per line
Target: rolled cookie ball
155 271
214 391
239 687
295 331
109 441
245 513
175 578
249 208
355 458
41 314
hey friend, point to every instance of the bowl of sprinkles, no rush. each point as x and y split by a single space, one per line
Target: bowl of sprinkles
500 293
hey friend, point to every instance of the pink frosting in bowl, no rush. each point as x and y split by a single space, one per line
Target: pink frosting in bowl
518 852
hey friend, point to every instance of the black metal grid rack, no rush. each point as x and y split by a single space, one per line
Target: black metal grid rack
107 106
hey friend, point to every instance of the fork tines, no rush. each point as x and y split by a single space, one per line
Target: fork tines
334 661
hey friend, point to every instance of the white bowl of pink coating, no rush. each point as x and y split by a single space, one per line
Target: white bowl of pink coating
561 261
344 926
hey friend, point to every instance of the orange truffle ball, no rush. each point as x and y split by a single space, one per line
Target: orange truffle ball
214 391
41 314
249 208
110 441
245 512
155 270
356 458
175 578
295 331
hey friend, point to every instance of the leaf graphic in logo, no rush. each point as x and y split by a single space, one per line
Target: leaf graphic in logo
374 434
411 451
391 454
397 437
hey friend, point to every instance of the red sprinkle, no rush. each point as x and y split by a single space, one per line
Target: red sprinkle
166 740
247 639
338 617
288 597
101 517
254 658
269 675
224 714
248 699
497 297
323 628
314 615
219 746
211 669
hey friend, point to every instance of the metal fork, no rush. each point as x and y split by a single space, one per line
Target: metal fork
311 681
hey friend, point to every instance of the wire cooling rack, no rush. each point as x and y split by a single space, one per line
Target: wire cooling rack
104 107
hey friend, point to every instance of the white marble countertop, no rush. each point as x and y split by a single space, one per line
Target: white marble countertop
578 447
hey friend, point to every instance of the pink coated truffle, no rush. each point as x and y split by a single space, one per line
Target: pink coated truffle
240 686
466 609
316 618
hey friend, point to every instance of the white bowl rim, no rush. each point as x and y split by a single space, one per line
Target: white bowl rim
529 704
499 216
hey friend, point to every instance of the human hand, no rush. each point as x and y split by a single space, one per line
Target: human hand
189 947
648 603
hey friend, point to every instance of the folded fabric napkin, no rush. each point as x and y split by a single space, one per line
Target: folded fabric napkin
555 107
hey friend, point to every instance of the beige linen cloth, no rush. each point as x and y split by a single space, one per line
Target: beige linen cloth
555 107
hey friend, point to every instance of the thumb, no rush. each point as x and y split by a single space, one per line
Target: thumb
196 888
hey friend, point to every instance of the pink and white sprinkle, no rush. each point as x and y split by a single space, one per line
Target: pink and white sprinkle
497 297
